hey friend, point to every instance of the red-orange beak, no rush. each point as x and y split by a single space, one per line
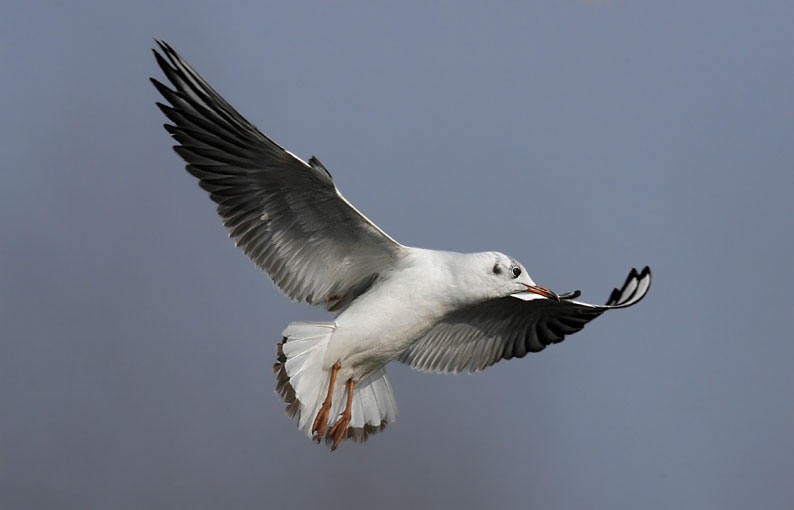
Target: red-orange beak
543 291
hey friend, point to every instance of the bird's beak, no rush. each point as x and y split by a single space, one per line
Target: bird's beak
543 291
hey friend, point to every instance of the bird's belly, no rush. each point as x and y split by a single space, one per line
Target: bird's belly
368 337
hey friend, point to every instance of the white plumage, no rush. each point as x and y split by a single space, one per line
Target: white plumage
436 311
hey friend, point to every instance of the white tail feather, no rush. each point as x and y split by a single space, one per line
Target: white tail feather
302 382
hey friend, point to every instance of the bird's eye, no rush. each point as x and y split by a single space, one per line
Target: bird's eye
497 269
516 271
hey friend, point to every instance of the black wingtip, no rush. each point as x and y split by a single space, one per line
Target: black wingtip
636 294
166 109
161 88
163 63
614 296
162 44
169 52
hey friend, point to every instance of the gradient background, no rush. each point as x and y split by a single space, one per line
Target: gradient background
583 138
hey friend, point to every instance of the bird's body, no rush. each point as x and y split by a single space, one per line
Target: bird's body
433 310
401 307
382 322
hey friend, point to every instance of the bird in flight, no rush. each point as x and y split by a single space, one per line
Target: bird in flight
435 311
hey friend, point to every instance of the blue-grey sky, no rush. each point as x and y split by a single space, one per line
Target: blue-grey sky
582 138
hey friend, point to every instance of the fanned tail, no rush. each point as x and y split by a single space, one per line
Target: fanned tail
302 383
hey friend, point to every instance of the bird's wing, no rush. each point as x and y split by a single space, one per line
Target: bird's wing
478 336
285 214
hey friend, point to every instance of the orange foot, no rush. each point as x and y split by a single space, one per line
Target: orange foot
340 427
321 420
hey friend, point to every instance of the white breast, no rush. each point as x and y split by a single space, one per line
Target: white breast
380 324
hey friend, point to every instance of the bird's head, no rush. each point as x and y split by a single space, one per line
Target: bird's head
507 277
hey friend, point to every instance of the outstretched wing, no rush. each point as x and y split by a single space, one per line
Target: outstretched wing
478 336
286 215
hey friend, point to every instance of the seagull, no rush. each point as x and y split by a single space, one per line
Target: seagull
435 311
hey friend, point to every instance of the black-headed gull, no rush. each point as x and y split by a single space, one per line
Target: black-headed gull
436 311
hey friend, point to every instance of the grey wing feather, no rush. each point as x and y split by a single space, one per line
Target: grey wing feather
478 336
286 215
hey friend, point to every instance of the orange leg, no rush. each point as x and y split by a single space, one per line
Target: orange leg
321 420
340 427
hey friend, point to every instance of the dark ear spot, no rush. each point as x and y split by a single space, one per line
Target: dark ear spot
497 269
